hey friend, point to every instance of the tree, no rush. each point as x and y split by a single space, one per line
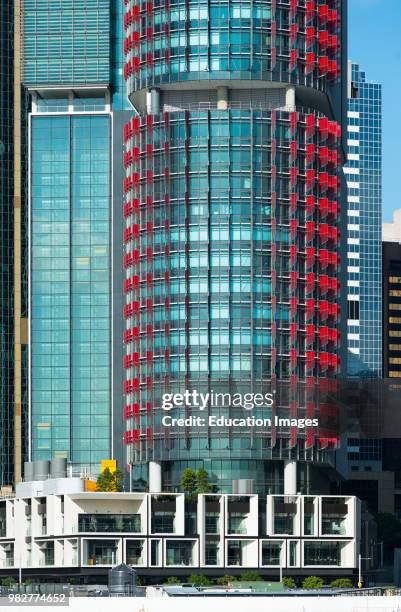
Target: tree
8 581
118 481
288 582
202 481
189 482
312 582
194 482
199 580
109 481
389 532
105 481
172 580
225 580
342 583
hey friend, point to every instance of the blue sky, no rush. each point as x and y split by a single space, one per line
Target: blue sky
374 42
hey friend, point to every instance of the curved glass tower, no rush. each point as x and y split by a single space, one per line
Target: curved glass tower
232 230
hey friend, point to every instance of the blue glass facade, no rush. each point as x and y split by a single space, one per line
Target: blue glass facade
70 287
364 178
67 41
73 66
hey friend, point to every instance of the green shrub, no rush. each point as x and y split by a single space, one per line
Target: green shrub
172 580
312 582
189 482
194 482
288 582
8 581
199 580
250 577
342 583
225 580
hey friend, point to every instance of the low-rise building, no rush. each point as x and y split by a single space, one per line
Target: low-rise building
79 533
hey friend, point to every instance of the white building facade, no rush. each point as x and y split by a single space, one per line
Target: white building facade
80 533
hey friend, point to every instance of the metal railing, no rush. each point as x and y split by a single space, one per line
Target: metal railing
239 105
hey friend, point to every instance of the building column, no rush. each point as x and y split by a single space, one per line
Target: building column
153 102
290 98
155 477
290 477
222 98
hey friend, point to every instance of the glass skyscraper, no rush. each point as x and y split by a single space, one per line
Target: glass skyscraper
363 172
364 178
233 217
13 279
73 69
6 243
70 286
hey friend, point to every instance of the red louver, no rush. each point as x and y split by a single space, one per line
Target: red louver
323 310
323 361
323 181
310 204
310 10
323 65
323 39
310 308
323 13
310 153
310 35
310 333
324 335
310 282
323 207
310 255
323 284
323 128
323 258
310 179
310 125
310 359
323 232
310 230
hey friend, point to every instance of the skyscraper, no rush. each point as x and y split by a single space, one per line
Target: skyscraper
363 172
391 308
73 56
6 243
233 223
360 460
13 350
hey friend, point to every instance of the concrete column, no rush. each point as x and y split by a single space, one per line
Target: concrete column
290 98
222 98
290 477
153 102
155 477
